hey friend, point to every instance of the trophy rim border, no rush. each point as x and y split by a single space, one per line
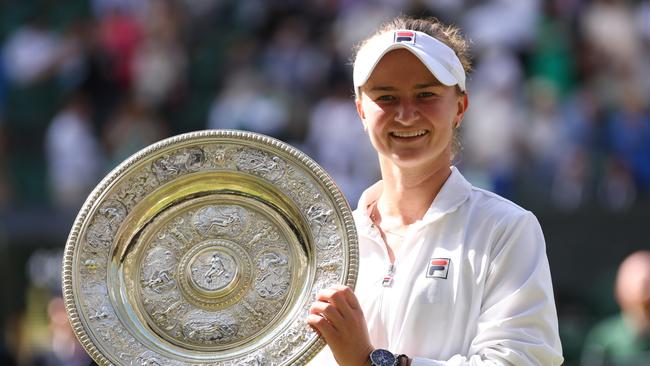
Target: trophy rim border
349 277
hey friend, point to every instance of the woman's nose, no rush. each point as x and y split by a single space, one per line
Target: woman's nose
406 112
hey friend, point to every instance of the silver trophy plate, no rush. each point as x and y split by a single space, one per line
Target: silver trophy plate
207 248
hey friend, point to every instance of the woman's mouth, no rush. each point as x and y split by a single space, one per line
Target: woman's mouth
408 134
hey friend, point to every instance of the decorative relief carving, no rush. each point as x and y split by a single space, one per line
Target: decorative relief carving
147 360
264 233
200 288
158 270
330 265
274 277
329 238
260 163
96 301
220 220
109 217
299 187
221 156
128 350
213 270
167 314
319 215
179 162
287 344
210 330
137 187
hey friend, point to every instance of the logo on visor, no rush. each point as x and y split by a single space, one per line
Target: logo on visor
405 37
438 268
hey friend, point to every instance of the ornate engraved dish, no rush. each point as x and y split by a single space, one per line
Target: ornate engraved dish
207 249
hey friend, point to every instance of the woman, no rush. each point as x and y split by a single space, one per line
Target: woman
449 274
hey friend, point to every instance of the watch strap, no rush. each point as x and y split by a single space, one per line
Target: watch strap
399 357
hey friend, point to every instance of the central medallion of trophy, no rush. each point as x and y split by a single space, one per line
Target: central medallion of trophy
213 276
213 271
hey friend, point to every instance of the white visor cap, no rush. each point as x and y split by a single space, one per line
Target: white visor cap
439 58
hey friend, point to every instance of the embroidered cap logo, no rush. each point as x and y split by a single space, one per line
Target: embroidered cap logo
404 37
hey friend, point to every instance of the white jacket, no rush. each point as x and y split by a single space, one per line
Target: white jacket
471 285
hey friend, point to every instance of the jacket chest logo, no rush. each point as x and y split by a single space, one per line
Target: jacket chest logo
438 268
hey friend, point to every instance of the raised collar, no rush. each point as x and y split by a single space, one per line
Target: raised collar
453 193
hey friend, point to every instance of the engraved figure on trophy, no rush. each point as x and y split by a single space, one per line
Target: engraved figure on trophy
256 360
109 216
328 238
300 188
222 156
96 301
136 187
213 270
183 238
264 232
319 217
211 331
171 165
253 316
330 265
194 159
159 281
260 163
157 270
220 220
166 313
293 337
166 168
216 268
273 281
146 360
123 348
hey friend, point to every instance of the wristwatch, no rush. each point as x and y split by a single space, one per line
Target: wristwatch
382 357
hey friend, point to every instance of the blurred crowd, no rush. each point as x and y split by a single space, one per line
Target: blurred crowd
559 117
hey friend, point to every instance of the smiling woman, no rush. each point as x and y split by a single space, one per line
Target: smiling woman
408 114
449 274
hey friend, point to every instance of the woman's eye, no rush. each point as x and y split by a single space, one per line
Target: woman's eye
426 95
385 98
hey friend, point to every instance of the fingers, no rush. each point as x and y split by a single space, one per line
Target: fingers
322 326
337 317
329 311
335 307
350 297
341 296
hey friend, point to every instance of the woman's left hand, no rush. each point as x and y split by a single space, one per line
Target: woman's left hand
337 316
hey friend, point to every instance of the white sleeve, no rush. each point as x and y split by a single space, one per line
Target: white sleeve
518 321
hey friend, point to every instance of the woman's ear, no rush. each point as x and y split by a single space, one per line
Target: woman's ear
463 103
361 113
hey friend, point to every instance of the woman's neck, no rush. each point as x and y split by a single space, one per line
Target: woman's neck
408 193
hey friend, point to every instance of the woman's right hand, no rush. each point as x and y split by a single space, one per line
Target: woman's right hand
337 317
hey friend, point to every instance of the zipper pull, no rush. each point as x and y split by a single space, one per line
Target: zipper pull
388 278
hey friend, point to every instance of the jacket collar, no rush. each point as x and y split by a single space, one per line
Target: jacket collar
453 193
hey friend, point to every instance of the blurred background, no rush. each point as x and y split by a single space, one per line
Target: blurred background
559 122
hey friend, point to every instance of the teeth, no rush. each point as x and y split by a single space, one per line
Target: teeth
408 133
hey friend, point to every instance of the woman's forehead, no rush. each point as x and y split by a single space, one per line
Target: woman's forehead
398 64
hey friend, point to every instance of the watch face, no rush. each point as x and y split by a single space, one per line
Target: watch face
382 357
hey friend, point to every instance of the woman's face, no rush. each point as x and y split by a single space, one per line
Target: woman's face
408 113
